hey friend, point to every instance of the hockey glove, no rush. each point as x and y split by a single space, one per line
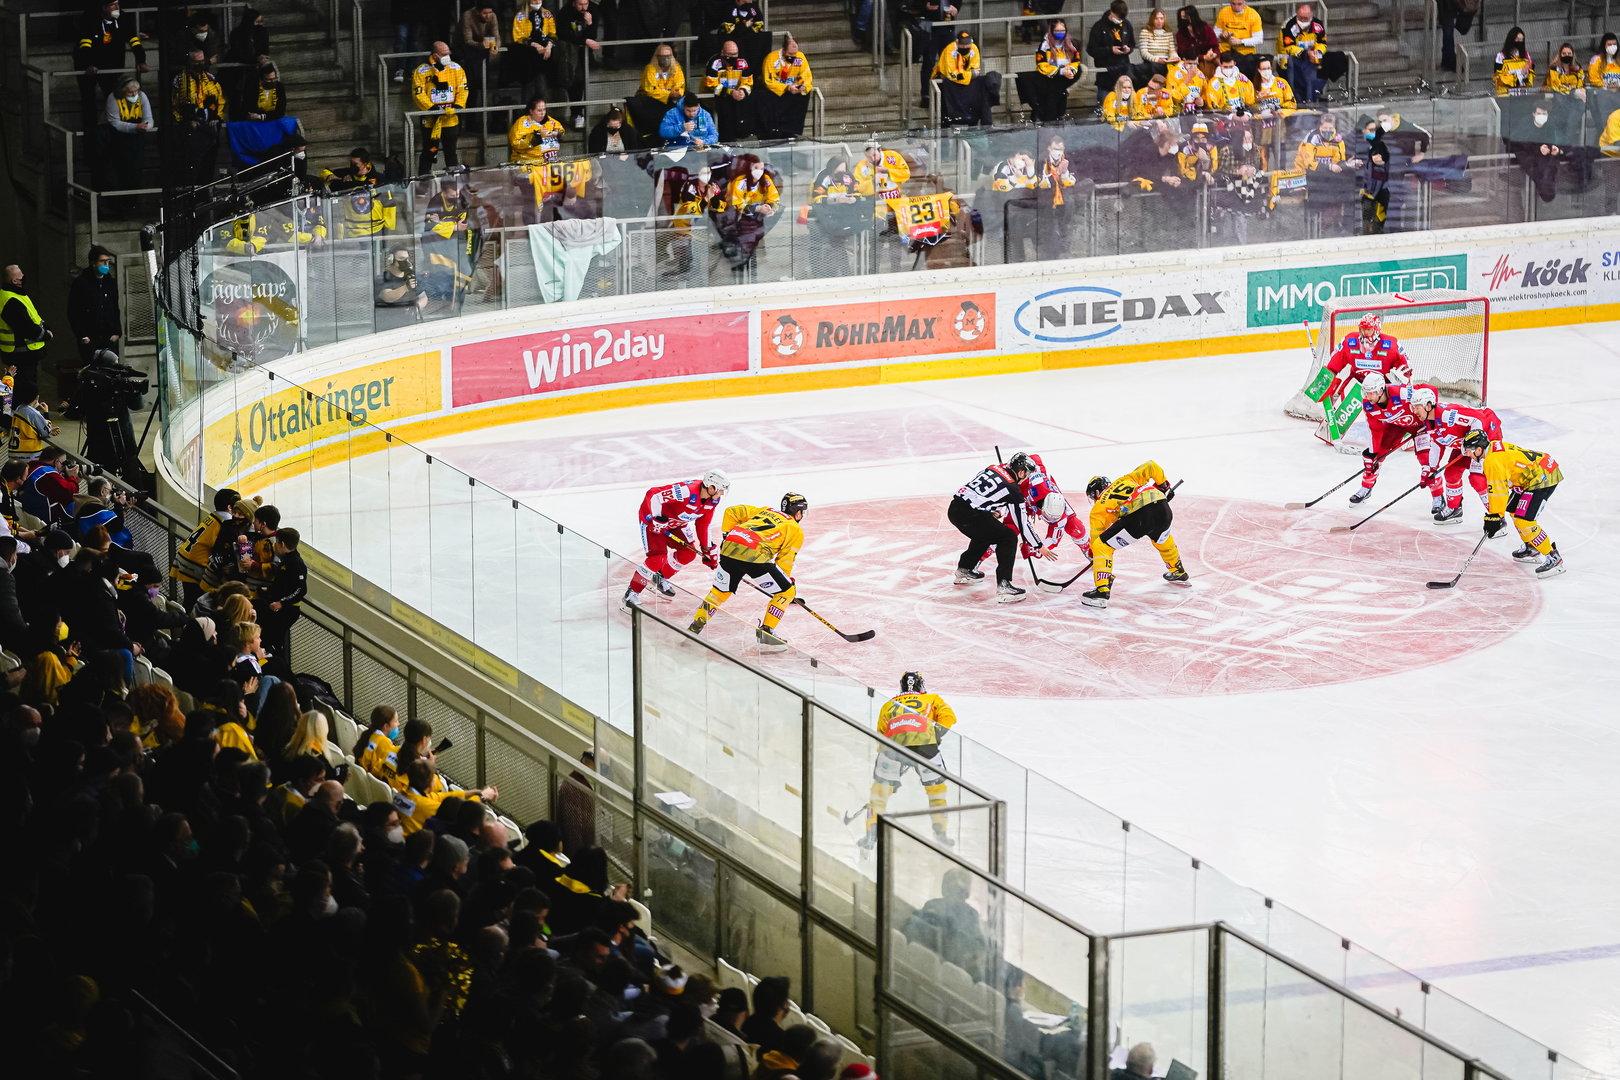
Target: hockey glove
1494 524
1025 551
710 560
1169 490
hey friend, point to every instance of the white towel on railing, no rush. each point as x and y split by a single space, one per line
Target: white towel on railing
562 251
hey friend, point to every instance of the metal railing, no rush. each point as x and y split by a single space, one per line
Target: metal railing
507 113
136 16
684 43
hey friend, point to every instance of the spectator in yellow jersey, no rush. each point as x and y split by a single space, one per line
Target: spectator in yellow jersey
1057 68
788 84
730 78
1154 100
918 721
1604 68
1187 85
130 126
528 63
1230 89
1272 95
879 175
197 104
1566 76
1120 104
1304 44
663 84
964 90
1238 29
439 88
1515 70
535 138
379 743
424 793
103 41
264 98
749 210
1199 158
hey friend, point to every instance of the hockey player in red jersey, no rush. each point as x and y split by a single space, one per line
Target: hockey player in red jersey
1369 349
1447 424
674 522
1044 499
1390 422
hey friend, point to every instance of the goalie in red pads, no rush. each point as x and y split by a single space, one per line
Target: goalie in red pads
1366 351
674 522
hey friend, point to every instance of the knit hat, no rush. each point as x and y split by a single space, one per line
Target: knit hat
858 1071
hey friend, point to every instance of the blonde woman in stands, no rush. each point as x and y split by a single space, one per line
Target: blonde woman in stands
1120 104
1566 76
310 737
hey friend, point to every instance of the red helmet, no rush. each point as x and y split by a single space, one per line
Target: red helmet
1371 324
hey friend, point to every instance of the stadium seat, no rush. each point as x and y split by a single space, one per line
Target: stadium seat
818 1023
851 1054
344 729
730 977
643 915
795 1014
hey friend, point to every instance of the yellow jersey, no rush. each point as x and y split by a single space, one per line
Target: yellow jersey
1514 468
1187 85
1242 26
444 87
1514 75
663 86
191 557
925 218
954 67
1604 71
1560 81
415 808
781 73
915 719
379 757
1128 494
542 24
531 142
1223 96
758 534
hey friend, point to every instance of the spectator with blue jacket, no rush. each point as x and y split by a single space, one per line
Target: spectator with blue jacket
689 124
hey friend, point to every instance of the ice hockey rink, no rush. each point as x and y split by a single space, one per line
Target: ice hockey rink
1430 773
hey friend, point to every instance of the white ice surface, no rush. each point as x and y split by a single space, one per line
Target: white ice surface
1460 819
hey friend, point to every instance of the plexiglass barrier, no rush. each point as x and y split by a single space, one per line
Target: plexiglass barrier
753 771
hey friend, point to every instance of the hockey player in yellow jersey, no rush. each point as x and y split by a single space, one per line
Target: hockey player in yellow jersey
1127 509
759 544
916 720
1517 483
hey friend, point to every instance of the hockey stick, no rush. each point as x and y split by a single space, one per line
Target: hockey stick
1336 487
1060 586
1375 513
864 635
1039 583
1453 582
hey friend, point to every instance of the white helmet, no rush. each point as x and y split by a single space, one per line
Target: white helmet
1422 395
1372 384
717 479
1054 508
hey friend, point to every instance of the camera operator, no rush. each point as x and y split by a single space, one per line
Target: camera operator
400 297
107 392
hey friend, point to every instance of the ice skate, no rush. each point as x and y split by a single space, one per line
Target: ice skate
1451 515
1008 593
1552 565
1361 496
664 587
1178 576
1525 551
767 639
632 599
968 577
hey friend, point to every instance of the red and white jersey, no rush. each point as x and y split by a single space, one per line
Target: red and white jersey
683 510
1037 486
1352 360
1452 422
1396 409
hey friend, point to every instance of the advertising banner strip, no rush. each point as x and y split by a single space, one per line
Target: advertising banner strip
1296 295
879 330
551 361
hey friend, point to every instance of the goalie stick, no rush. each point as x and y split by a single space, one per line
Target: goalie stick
1453 582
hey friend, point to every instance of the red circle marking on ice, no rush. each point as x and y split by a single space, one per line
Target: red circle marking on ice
1277 603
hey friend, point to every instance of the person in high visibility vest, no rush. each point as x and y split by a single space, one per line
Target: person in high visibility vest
23 333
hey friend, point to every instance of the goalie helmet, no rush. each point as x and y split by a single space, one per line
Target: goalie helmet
1422 395
717 479
1476 440
1372 384
1371 325
793 503
1020 462
1096 486
911 683
1054 508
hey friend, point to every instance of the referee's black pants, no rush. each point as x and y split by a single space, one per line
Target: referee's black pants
984 531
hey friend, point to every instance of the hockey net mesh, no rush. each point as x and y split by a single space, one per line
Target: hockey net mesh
1444 334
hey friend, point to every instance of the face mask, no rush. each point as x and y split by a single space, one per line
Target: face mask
613 128
1566 59
330 906
708 1009
1059 35
113 14
703 175
963 50
1371 135
190 850
756 172
394 734
201 35
30 736
1540 119
152 592
665 61
136 96
1386 125
103 269
1056 155
396 835
1610 48
62 561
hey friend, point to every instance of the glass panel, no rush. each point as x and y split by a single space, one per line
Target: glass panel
910 1054
496 573
1278 1022
583 625
537 544
1491 1041
723 744
842 989
1158 883
683 887
1159 994
450 596
751 931
410 522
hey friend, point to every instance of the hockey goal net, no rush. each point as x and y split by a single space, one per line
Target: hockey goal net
1446 335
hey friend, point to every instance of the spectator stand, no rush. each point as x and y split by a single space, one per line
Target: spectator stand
1015 56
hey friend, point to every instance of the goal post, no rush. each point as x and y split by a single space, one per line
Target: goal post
1445 333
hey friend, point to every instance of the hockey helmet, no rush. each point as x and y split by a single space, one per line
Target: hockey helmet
1371 325
1020 462
912 683
1054 508
717 479
1372 384
1096 486
1422 395
794 504
1476 440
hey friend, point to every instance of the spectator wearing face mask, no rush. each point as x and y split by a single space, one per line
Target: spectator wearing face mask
788 85
1238 29
1304 45
1230 90
663 84
750 210
730 78
439 87
264 97
1374 178
1057 68
38 594
146 614
964 86
1120 104
1194 36
1272 95
1566 76
1539 151
535 137
198 107
528 62
609 135
1514 71
1187 85
377 749
130 122
92 308
1604 68
102 44
1330 177
1109 44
